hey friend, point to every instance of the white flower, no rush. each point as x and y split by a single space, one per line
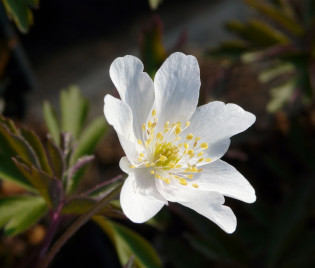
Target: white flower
173 148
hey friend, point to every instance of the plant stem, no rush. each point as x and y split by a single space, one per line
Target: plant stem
98 186
76 226
55 219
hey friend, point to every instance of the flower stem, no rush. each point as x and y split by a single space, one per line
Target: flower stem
76 226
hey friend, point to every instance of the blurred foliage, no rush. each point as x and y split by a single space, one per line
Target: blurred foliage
154 4
20 11
282 40
152 50
129 243
50 174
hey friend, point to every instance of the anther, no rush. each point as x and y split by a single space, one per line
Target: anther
186 145
200 154
162 158
152 172
190 176
187 124
143 127
167 124
200 160
140 142
204 145
195 185
178 130
153 112
208 160
189 136
183 182
142 154
132 166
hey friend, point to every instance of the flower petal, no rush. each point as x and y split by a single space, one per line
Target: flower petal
135 87
221 177
137 207
177 85
119 115
215 123
213 209
208 204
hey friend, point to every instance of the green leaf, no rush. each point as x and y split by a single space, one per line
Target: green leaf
233 48
87 143
51 122
18 213
152 50
39 149
280 95
20 12
128 243
90 138
49 188
154 4
276 15
257 32
8 171
17 145
56 159
74 108
82 205
275 71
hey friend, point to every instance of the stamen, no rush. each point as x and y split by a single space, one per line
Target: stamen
183 181
189 136
204 145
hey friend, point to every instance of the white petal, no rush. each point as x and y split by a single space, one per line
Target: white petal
215 123
207 203
213 209
221 177
119 115
137 207
125 164
135 88
177 85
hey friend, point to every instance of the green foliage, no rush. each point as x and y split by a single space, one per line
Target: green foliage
81 140
283 41
20 12
18 213
128 243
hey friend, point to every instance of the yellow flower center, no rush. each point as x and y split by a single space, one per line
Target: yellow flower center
168 155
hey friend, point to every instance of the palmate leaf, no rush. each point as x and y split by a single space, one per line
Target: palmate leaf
21 13
287 22
258 33
51 121
74 110
18 213
128 243
49 187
